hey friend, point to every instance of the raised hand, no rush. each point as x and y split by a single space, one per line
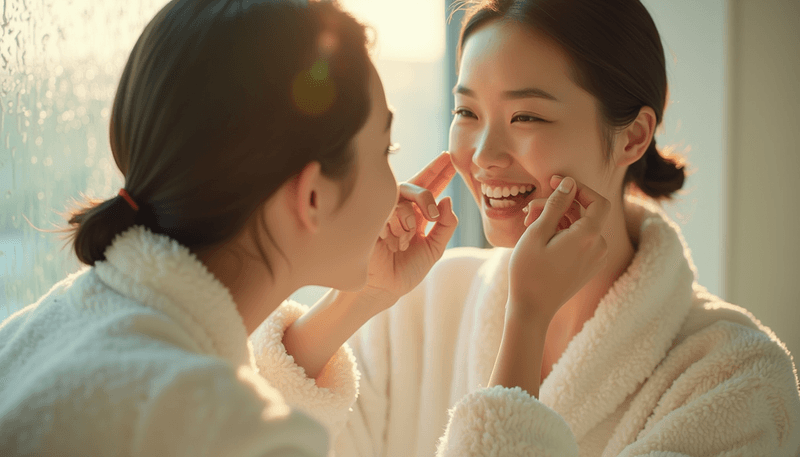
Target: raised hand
402 257
404 254
561 250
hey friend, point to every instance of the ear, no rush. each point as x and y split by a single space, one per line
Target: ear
303 196
632 142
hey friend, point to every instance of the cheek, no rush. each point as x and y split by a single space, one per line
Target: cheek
546 154
541 156
461 150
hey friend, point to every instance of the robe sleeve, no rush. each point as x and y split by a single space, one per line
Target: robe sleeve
327 398
505 421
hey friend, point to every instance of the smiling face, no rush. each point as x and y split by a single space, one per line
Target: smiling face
519 119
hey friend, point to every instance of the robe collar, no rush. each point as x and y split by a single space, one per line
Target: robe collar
164 275
618 348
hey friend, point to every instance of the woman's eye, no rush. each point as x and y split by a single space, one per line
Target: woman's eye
394 147
463 112
526 118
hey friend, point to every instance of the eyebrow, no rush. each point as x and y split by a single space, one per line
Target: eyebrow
389 120
529 92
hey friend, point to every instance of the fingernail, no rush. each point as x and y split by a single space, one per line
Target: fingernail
411 223
566 185
433 211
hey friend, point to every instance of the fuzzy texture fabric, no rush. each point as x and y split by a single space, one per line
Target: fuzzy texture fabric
145 354
663 368
326 398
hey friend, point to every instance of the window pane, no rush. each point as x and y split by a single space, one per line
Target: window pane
60 62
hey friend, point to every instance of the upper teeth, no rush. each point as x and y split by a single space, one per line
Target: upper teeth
499 192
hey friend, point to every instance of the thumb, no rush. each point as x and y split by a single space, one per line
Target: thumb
443 230
555 208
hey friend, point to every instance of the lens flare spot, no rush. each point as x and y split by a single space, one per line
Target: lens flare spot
319 70
312 91
328 43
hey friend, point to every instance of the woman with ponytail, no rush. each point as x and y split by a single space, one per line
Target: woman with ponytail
641 360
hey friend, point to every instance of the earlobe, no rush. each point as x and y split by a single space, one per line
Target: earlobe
636 137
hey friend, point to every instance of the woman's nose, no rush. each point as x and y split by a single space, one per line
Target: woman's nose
492 149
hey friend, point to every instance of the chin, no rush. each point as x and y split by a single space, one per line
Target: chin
499 237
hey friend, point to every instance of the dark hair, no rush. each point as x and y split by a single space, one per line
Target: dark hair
219 104
616 56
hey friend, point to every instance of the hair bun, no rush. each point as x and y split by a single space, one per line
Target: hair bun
657 176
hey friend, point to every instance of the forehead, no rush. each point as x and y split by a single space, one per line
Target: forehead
506 55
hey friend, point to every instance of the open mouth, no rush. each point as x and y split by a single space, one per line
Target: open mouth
507 198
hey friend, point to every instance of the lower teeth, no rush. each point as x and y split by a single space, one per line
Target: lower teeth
494 203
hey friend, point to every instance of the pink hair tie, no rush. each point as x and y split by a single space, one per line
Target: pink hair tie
124 194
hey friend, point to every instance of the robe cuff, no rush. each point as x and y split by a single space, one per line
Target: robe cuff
329 397
505 421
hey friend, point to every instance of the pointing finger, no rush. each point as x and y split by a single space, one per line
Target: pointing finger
436 175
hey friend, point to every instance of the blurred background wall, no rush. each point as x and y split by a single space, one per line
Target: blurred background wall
733 111
763 88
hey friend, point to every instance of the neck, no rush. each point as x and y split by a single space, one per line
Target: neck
569 320
255 291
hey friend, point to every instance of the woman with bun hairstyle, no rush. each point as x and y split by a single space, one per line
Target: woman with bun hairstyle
641 360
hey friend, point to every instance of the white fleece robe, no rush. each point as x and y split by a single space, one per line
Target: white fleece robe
663 368
145 354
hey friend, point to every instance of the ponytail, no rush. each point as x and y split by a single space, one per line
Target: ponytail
656 176
96 223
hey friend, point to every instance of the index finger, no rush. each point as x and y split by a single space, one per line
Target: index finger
597 206
436 175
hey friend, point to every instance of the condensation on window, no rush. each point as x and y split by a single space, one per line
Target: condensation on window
60 62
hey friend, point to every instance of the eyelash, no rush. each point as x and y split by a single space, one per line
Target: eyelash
463 112
532 118
393 148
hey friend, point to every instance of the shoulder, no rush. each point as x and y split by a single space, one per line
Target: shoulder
730 378
709 313
722 341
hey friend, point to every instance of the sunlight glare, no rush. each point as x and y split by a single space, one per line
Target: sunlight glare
410 30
